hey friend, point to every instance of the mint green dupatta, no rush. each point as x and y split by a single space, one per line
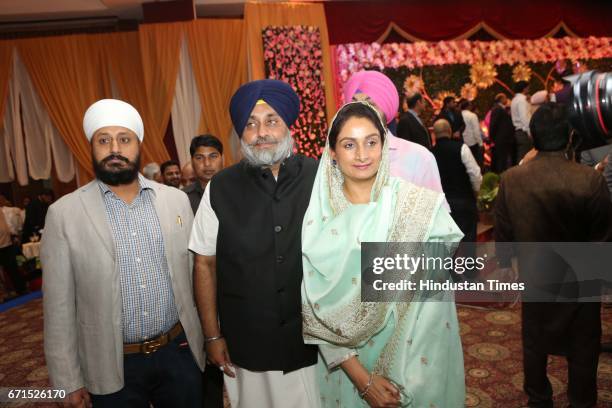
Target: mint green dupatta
396 340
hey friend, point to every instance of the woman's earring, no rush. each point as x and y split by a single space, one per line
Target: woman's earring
334 163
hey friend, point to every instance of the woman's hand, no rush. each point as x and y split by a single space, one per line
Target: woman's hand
382 394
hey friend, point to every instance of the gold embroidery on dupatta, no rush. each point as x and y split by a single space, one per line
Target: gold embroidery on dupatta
413 213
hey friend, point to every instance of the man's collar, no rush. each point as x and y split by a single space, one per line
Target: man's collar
195 186
144 184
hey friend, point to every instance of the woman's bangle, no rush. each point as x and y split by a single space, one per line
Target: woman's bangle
363 393
210 339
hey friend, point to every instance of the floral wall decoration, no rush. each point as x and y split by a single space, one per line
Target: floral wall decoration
412 85
474 70
469 92
293 54
355 57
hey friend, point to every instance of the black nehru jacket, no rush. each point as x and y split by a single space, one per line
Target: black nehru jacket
259 263
453 174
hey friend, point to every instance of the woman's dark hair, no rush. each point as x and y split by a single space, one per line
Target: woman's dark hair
354 110
550 128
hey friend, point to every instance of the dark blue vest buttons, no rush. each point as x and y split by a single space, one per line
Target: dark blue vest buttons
278 228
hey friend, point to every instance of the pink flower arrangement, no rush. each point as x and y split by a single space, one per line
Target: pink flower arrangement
359 56
293 54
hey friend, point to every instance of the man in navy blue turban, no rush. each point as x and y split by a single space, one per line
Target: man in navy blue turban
248 263
278 94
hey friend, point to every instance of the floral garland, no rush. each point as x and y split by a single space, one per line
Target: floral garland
352 58
293 54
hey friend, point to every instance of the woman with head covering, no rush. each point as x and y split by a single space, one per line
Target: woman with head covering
408 160
374 353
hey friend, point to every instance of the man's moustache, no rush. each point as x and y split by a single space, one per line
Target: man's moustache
114 157
264 140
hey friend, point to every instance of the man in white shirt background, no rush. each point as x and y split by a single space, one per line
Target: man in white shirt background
472 135
521 114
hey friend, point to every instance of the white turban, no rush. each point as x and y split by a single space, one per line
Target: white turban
112 112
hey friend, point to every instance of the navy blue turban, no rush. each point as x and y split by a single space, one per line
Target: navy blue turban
278 94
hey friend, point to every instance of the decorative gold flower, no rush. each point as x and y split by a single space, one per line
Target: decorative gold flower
469 91
521 72
483 74
412 85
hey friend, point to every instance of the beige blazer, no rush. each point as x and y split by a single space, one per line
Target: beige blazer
82 294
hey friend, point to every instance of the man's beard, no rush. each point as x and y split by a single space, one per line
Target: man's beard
116 176
267 157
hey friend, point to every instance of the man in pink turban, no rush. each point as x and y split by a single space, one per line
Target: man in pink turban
408 160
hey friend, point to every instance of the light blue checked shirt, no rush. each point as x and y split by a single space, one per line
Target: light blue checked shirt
146 289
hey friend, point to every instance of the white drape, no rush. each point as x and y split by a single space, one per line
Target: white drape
186 108
6 163
13 131
43 142
35 127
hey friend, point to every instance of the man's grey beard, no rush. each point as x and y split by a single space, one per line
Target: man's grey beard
259 158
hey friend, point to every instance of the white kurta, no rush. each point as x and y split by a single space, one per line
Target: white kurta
273 389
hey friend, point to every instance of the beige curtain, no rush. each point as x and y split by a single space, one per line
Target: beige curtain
69 74
186 107
258 16
44 145
35 130
6 59
13 128
6 162
217 50
122 52
160 50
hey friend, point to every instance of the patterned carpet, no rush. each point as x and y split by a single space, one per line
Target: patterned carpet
491 345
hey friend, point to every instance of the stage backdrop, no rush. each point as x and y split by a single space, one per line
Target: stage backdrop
474 70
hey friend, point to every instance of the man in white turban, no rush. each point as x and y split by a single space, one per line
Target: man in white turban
121 327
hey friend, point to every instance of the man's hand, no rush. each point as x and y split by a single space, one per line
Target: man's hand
78 399
602 164
529 156
217 354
